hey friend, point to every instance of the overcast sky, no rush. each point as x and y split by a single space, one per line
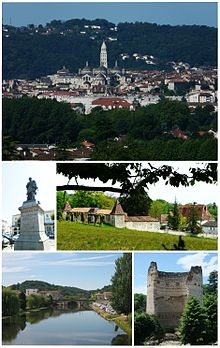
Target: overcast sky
171 262
173 13
87 271
200 193
15 176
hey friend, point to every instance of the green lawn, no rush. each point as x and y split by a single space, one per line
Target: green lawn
77 236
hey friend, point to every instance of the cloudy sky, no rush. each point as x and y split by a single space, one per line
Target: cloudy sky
200 192
171 262
87 271
162 12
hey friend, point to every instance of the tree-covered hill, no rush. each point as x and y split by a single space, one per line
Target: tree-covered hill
43 286
34 51
64 290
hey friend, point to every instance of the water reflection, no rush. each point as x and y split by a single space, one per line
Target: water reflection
52 326
120 340
11 326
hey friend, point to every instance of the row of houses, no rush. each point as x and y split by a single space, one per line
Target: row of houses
54 294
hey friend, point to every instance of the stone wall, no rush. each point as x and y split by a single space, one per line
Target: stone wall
167 293
115 220
143 226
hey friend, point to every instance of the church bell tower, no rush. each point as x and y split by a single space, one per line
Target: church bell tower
103 56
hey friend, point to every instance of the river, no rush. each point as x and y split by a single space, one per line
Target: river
59 327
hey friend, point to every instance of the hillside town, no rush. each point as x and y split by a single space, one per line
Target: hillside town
110 88
106 88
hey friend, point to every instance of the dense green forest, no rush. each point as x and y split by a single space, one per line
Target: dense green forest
31 52
143 134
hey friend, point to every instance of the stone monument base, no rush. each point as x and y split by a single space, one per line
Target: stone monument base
32 230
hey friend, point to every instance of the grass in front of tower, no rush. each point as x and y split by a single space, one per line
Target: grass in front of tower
78 236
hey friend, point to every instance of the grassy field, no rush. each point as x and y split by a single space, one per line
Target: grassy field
77 236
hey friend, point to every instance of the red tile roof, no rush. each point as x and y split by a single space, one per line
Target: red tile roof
113 102
87 143
202 210
117 209
67 207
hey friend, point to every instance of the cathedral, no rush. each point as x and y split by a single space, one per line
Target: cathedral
100 80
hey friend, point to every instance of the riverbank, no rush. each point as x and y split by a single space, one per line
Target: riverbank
28 311
119 319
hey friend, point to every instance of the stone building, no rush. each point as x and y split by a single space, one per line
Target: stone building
115 217
29 292
118 218
56 295
91 80
168 292
201 210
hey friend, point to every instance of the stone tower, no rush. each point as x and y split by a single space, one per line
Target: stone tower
103 56
167 293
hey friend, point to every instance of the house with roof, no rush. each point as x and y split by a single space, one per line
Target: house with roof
201 209
210 227
112 103
201 97
118 218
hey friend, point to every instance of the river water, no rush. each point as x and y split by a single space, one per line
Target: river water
59 327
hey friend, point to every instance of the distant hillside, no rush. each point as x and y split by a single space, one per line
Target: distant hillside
34 51
64 290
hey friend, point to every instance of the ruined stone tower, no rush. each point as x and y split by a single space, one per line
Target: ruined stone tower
167 293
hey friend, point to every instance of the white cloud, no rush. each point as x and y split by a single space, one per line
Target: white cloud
85 263
140 289
15 269
206 261
15 258
82 261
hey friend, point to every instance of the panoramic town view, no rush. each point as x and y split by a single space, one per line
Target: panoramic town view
85 89
109 173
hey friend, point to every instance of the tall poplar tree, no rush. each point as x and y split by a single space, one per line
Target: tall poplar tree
174 217
122 284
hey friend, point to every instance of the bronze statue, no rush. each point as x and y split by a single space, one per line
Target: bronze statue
31 190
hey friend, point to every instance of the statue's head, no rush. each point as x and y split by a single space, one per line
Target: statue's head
30 179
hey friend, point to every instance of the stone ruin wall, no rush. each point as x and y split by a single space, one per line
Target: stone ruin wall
167 293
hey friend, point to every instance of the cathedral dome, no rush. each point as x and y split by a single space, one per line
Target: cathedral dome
63 71
101 70
86 69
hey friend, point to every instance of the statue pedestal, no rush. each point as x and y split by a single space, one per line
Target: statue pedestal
32 230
